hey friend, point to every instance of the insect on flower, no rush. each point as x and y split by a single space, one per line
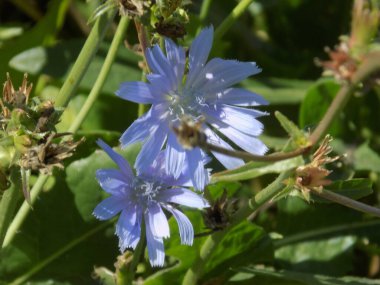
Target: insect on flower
206 93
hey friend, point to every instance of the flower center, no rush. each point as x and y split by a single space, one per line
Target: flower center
146 191
186 102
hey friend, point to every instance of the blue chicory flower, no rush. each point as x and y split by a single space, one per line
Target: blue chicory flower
141 200
205 93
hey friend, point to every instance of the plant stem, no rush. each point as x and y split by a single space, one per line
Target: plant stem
350 203
270 191
58 253
232 17
9 202
84 59
67 89
24 210
370 65
249 156
195 272
118 38
205 8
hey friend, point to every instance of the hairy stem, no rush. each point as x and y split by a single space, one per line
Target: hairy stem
350 203
232 17
195 272
95 91
84 59
43 263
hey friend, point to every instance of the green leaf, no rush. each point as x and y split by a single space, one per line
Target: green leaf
366 159
245 243
318 99
43 33
81 178
299 138
307 279
354 189
332 256
256 169
30 61
279 91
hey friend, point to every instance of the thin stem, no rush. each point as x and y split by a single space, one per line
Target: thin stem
195 272
118 38
205 8
232 17
249 156
370 65
24 210
350 203
137 255
84 59
8 204
58 253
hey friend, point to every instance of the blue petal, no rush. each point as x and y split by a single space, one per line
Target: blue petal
219 74
113 182
157 220
151 149
199 175
246 142
241 119
239 97
128 227
109 207
138 92
174 156
199 51
155 245
186 230
140 129
158 63
184 197
227 161
118 159
160 84
177 58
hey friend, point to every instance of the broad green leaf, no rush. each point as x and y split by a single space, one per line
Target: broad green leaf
81 179
30 61
303 278
54 223
256 169
331 257
366 159
279 91
43 33
354 189
245 243
318 99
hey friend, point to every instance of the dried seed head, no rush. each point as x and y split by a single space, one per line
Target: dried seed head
47 154
133 8
189 132
341 64
313 176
